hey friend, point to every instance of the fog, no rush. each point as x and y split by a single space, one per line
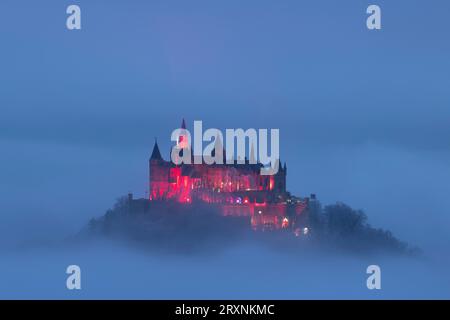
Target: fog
79 184
363 119
110 270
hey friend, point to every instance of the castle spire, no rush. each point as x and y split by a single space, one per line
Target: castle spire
183 141
156 154
252 155
280 166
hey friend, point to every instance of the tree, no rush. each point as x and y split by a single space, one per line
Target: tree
343 220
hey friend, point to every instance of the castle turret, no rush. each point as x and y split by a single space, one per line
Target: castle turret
183 145
280 178
156 154
158 175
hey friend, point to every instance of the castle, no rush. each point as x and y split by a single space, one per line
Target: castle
238 189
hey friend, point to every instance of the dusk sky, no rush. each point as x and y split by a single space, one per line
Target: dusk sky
363 115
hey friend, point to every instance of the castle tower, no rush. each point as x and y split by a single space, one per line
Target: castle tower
183 145
183 141
158 175
280 178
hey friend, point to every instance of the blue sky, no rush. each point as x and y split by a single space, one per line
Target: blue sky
143 66
363 115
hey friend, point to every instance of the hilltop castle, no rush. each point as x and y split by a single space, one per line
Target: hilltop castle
238 189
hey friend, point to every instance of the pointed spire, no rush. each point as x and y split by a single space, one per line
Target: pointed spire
183 124
252 155
156 154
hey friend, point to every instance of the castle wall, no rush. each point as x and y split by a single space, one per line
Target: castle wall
238 190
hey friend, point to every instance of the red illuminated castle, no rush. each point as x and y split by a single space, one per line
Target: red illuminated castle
238 189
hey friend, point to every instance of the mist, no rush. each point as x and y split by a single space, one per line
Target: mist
35 248
363 120
114 271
